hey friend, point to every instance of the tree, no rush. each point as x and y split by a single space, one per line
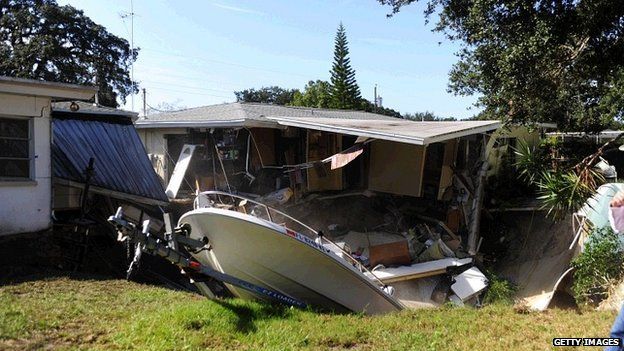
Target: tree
318 94
41 40
267 95
426 116
368 106
315 94
537 61
345 93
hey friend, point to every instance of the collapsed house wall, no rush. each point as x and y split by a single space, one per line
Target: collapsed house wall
385 166
422 201
306 135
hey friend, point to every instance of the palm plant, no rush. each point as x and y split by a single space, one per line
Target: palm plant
565 192
530 162
561 189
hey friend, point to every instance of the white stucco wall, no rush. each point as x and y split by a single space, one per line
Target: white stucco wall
25 206
156 146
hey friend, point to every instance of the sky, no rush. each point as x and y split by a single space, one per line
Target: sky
197 53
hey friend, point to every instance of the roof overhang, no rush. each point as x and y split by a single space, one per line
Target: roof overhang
403 131
53 90
228 123
91 109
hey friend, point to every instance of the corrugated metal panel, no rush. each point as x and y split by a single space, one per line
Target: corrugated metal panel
121 163
400 130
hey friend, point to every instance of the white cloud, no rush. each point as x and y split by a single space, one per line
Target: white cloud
238 9
382 41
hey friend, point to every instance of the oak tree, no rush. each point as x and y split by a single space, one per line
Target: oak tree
537 61
41 40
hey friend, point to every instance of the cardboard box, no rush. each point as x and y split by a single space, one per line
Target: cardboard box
390 254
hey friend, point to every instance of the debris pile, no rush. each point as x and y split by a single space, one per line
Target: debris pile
420 256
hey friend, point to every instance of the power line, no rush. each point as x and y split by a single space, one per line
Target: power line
194 78
202 59
226 63
186 86
236 86
155 109
190 92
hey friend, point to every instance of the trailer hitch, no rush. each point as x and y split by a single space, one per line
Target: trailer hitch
168 249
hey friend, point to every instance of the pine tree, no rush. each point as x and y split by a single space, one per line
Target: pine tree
345 93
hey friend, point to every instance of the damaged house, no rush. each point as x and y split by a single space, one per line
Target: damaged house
98 165
64 165
403 197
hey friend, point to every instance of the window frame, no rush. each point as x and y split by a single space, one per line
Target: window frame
31 150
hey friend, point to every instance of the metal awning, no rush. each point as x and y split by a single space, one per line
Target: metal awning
403 131
122 168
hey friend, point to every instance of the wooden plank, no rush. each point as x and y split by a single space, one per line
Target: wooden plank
320 146
446 176
419 270
180 170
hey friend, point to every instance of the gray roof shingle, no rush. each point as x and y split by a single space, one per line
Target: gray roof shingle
255 112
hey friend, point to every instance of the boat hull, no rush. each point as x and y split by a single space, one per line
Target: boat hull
271 256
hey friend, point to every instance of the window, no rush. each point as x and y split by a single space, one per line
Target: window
15 149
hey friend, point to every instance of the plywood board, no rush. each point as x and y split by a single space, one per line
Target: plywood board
446 177
265 142
180 171
396 168
319 146
419 270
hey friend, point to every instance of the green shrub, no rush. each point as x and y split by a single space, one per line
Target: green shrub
530 161
598 267
500 290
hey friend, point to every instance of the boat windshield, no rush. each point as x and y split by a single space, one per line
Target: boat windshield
229 201
220 199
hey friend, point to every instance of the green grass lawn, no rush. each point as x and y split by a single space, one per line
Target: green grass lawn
63 313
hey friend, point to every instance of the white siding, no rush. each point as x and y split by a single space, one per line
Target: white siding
156 147
25 206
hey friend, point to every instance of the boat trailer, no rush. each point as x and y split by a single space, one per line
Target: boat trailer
168 248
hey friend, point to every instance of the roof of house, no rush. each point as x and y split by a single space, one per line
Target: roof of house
122 168
399 130
89 108
32 87
240 114
350 122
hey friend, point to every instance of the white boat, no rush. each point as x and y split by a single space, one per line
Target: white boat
246 241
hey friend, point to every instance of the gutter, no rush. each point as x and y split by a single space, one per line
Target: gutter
239 123
112 193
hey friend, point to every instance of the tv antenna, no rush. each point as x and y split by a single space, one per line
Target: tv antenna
123 16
